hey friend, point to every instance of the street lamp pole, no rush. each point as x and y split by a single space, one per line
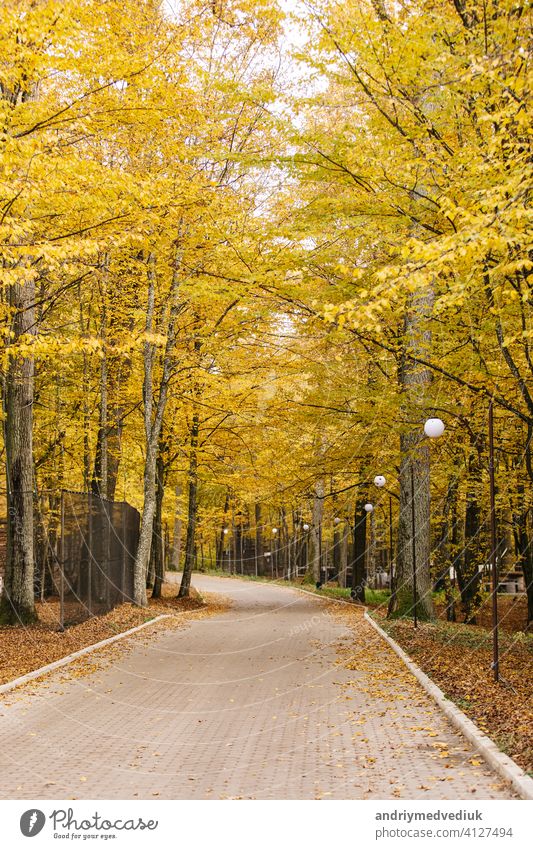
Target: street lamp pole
413 544
391 546
494 562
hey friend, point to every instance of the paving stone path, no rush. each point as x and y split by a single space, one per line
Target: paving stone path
279 697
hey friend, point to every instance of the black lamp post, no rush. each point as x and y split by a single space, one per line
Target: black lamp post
494 561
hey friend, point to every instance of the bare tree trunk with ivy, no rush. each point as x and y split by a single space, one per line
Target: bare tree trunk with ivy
18 601
158 555
414 465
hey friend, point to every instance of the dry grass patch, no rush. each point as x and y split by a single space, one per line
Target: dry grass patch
458 659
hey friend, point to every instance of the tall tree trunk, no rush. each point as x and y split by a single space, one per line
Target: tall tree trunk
259 559
467 573
414 381
114 372
18 600
157 540
153 420
523 546
84 329
371 551
336 553
285 554
233 547
145 538
114 448
109 438
343 554
192 509
446 560
176 535
315 536
99 481
222 536
419 463
147 518
359 552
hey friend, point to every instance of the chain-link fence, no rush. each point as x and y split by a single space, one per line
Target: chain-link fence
98 543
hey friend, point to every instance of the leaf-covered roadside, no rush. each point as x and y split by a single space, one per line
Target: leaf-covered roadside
458 659
26 648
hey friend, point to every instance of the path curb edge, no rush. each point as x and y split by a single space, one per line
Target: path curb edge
500 762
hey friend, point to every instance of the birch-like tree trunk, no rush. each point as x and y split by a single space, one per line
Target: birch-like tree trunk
18 602
158 553
153 420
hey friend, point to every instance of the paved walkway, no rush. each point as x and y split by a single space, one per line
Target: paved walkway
276 698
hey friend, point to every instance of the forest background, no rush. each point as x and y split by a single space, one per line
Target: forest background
247 250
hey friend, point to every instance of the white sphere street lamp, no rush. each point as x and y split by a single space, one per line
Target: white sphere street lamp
336 520
380 481
369 508
434 428
306 527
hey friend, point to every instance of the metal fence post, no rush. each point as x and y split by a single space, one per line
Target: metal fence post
123 541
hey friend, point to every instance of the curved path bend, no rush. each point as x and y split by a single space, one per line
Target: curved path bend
280 697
